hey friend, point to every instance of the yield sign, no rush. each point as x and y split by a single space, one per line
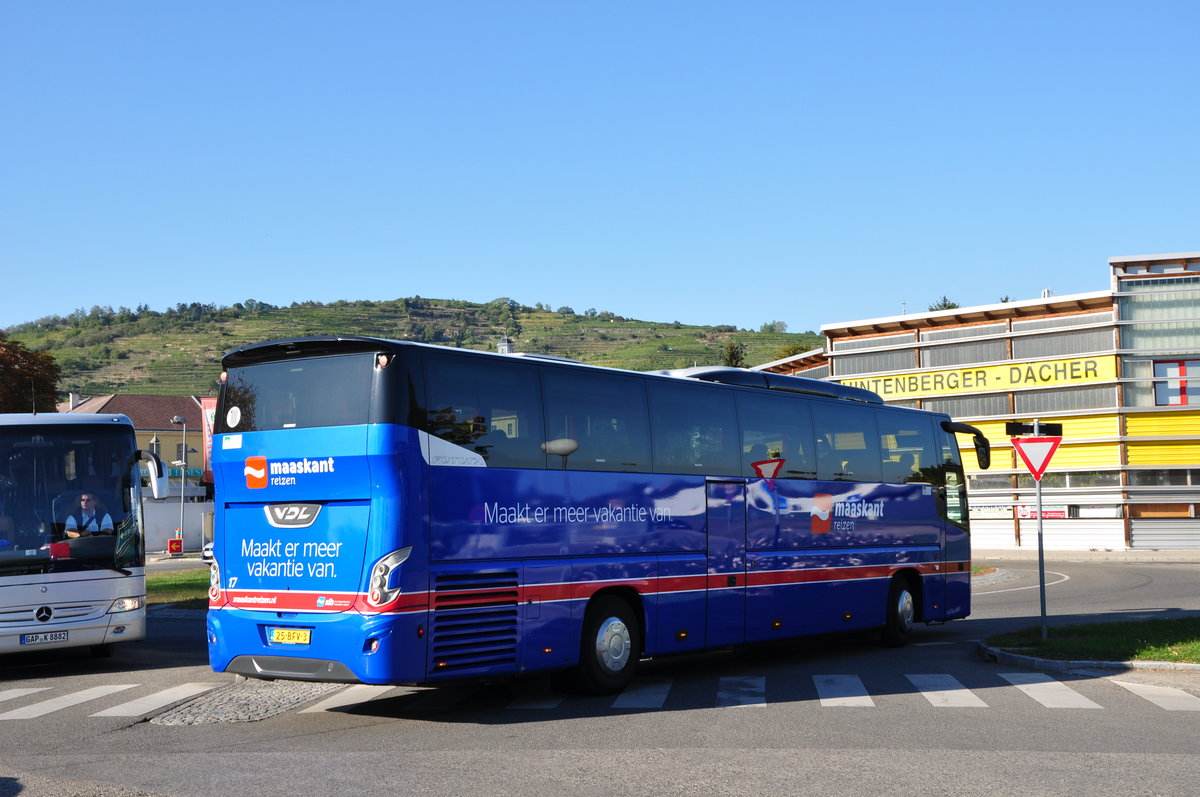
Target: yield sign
1036 452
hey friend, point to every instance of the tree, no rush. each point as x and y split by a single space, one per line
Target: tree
792 349
944 303
28 379
733 354
774 326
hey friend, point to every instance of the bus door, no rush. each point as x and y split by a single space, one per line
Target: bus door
726 515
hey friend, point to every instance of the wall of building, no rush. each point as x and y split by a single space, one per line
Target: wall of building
1119 369
162 518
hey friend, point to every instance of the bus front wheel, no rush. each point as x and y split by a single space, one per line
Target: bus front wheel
609 648
901 612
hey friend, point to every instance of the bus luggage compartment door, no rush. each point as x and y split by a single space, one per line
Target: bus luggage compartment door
726 517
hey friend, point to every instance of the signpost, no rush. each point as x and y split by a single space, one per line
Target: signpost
1036 452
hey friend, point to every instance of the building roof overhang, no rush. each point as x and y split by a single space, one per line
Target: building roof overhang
962 316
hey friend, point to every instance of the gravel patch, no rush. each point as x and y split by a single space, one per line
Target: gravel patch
245 701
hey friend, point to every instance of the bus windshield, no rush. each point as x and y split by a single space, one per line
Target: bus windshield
66 496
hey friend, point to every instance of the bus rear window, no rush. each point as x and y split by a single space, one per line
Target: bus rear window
297 394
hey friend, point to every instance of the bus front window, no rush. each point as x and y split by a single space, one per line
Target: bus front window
67 499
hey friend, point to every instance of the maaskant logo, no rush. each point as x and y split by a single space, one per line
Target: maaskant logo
825 509
260 471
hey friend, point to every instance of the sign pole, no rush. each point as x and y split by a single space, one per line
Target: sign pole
1036 452
1041 546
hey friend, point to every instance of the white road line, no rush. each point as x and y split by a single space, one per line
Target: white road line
66 701
1048 691
744 690
353 695
144 705
1062 577
13 694
645 693
944 691
1166 697
842 690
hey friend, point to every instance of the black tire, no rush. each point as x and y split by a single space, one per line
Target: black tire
609 647
901 613
102 651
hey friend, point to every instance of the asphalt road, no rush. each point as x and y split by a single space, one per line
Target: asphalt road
930 718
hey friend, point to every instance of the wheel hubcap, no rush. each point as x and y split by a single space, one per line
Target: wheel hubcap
613 644
905 611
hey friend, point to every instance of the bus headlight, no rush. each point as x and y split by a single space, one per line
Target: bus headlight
127 604
379 590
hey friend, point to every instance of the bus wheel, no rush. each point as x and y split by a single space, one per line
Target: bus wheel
609 649
901 611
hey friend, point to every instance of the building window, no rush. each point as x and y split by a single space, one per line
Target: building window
850 364
989 481
1065 400
1161 478
1177 383
1161 510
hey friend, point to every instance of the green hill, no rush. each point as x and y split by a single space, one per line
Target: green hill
178 352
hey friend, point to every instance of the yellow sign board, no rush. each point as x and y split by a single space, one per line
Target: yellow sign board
990 378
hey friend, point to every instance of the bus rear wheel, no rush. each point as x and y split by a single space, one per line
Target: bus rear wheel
609 647
901 613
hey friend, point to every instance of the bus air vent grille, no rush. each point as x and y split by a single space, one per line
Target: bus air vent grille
475 591
475 622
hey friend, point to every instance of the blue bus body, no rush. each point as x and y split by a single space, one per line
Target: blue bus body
380 553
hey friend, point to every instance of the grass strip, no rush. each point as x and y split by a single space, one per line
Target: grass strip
1175 640
186 589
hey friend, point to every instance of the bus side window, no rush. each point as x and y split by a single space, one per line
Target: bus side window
777 427
850 450
907 447
695 429
595 422
492 409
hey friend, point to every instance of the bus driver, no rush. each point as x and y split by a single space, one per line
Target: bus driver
88 518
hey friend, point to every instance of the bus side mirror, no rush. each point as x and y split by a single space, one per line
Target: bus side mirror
158 474
983 449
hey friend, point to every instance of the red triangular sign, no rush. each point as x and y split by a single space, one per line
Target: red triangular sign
1036 452
767 468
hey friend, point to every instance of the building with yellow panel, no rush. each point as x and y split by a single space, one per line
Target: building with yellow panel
1119 369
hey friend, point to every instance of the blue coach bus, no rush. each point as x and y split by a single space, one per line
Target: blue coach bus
392 512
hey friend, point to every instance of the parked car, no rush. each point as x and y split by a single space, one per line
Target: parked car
206 553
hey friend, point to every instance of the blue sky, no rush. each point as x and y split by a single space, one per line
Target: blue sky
712 163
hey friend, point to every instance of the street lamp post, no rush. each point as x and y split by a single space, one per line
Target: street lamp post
179 419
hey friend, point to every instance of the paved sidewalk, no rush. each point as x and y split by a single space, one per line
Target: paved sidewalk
983 555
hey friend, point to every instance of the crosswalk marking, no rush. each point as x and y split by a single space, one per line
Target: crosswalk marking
842 690
944 691
13 694
1047 691
1163 696
56 703
645 693
941 690
743 690
147 704
359 693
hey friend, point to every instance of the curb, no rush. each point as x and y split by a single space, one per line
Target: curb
1054 665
